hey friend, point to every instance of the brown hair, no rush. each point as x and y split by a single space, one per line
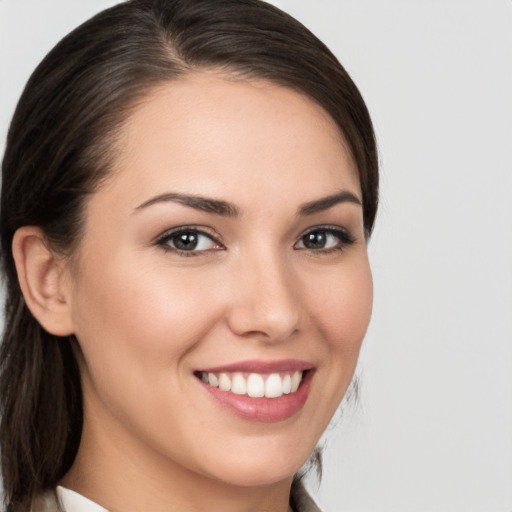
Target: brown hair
59 148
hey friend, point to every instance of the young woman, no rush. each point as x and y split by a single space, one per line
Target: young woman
188 189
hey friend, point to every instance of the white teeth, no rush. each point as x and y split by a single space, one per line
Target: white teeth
287 384
255 386
238 385
224 382
297 377
273 386
212 379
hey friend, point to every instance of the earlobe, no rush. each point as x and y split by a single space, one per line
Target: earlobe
42 280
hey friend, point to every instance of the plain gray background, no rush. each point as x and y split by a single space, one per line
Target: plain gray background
433 428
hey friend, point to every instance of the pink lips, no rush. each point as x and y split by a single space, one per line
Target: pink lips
283 365
262 409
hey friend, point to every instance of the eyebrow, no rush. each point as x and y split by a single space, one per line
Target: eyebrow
204 204
225 209
320 205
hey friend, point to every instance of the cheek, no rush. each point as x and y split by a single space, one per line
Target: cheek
339 313
136 331
345 318
146 317
343 309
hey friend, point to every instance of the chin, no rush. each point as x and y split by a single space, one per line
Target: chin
251 471
260 477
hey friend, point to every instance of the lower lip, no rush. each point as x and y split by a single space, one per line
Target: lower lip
263 409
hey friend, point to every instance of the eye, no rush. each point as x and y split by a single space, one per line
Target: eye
188 240
325 239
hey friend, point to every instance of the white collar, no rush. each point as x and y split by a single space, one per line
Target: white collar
71 501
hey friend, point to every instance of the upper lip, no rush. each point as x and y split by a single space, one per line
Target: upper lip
256 366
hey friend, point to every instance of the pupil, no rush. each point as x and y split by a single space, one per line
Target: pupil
315 240
186 241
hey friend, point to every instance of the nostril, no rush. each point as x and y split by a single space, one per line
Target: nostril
264 303
269 323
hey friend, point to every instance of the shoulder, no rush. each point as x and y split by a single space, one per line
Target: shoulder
300 499
46 502
64 500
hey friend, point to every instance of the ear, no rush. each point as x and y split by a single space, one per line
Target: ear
43 279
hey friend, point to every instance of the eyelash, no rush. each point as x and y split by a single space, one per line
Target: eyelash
345 239
164 239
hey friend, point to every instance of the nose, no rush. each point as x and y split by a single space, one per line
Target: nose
264 300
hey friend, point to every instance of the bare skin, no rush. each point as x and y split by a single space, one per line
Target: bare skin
148 315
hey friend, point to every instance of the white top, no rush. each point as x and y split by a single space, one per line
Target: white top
65 500
71 501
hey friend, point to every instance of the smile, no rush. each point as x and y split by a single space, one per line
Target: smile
255 385
263 391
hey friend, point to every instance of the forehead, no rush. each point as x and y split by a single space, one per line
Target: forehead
220 135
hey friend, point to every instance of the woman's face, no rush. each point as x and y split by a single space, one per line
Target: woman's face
227 246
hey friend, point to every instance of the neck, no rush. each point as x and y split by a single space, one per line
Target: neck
137 479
